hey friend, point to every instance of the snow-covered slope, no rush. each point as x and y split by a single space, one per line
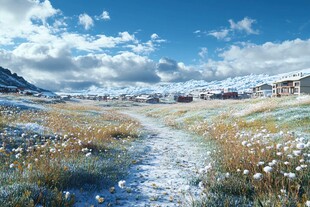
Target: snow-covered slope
242 83
9 79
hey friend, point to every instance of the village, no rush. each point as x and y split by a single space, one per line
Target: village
295 84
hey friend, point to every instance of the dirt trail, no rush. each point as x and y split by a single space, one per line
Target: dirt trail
166 172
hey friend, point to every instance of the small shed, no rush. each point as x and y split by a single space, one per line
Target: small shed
184 99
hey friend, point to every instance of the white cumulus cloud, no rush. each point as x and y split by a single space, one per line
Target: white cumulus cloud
86 21
105 16
220 35
269 58
203 52
147 47
244 26
23 18
154 36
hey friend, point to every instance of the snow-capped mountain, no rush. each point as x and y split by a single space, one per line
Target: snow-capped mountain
240 83
9 79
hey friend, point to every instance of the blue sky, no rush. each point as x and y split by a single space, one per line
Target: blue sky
177 20
73 45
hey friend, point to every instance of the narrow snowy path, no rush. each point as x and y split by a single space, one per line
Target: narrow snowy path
167 162
165 174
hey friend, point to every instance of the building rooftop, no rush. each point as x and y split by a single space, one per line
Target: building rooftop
294 77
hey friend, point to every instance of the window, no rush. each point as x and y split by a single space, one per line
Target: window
296 90
296 83
285 90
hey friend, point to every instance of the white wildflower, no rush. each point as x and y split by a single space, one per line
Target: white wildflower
298 168
122 183
67 195
279 153
272 163
296 152
244 143
227 175
290 156
286 148
88 154
291 175
85 149
258 176
18 155
100 199
286 163
260 163
12 165
300 146
308 203
267 169
245 172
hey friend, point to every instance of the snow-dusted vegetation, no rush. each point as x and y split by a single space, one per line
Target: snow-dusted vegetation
46 153
262 149
206 153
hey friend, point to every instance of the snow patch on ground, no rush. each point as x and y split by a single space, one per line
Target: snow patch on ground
163 175
33 127
21 103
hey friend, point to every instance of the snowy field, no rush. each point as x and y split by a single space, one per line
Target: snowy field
207 153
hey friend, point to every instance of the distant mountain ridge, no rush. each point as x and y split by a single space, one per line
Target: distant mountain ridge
240 83
7 78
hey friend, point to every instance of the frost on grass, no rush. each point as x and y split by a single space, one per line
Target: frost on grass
44 152
263 144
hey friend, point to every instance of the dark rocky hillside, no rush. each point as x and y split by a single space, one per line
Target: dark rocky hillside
12 79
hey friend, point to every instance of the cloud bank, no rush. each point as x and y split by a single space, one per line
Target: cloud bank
46 64
37 43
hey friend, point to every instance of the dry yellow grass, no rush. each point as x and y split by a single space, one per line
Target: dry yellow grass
73 150
259 156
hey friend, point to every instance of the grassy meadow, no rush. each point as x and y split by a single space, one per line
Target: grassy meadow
46 152
262 149
259 149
